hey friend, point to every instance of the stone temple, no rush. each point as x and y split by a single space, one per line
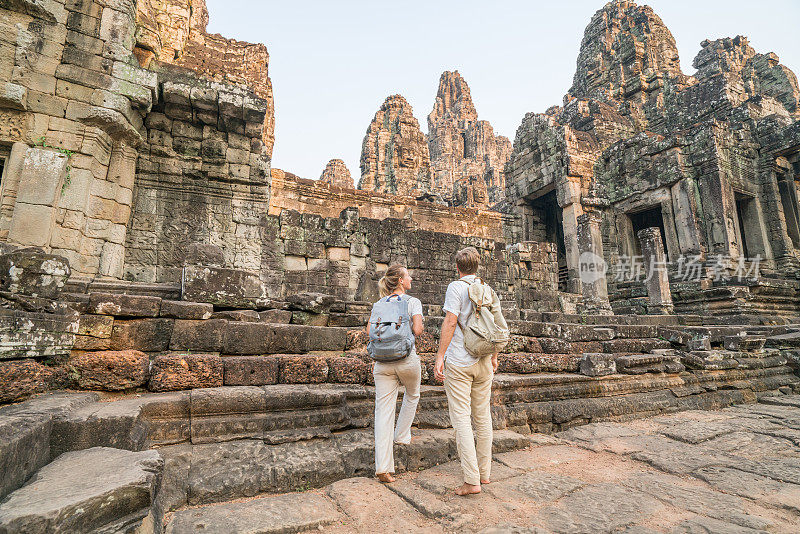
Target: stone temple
182 324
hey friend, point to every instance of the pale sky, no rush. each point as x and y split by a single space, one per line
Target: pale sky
333 63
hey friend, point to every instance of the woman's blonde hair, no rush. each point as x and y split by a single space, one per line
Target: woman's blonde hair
391 279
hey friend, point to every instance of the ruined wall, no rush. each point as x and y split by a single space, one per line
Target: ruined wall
203 172
201 176
314 196
83 120
71 120
174 32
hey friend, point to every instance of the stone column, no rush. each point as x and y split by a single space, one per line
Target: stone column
121 173
568 194
592 265
687 225
655 268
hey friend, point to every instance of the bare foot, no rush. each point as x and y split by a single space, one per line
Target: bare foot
386 478
487 481
468 489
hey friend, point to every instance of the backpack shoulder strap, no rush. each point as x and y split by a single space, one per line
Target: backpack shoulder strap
458 321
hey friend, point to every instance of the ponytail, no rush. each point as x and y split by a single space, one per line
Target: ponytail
391 279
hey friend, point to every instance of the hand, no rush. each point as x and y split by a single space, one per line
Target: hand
438 369
495 363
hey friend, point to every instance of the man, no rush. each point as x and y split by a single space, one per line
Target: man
467 380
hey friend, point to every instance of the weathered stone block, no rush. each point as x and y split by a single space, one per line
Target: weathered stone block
342 370
147 335
99 326
44 171
227 288
124 484
20 379
13 96
699 343
251 370
204 254
173 372
120 305
110 370
91 343
36 335
31 224
311 302
244 316
205 336
744 343
310 319
524 363
303 369
178 309
27 272
276 316
597 364
24 448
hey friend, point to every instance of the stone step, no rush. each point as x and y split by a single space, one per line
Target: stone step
216 472
279 514
93 490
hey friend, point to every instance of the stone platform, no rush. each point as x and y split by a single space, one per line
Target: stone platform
734 470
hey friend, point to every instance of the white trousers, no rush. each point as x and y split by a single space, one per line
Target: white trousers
388 377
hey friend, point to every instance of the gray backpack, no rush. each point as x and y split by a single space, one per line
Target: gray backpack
390 336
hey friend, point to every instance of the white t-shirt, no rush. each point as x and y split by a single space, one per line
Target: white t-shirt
456 301
414 308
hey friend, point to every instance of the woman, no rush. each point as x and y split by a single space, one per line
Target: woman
389 376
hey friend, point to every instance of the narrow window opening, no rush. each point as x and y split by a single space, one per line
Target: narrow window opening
546 224
649 218
742 208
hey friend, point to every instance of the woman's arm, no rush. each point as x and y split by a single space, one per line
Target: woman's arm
416 325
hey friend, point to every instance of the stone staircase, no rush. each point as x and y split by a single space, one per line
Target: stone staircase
239 403
170 450
99 490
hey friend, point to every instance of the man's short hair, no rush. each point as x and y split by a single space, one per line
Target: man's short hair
467 260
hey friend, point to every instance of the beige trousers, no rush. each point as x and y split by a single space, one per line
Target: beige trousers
388 377
469 390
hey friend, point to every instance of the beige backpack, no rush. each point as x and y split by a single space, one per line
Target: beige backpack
486 331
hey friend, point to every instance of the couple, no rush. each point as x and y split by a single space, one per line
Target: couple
467 378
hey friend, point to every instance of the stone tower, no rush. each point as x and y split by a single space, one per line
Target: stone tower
337 174
394 154
467 159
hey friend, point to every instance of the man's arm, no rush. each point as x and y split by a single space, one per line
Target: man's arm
495 363
448 329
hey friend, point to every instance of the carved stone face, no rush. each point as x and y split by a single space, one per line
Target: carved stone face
407 157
